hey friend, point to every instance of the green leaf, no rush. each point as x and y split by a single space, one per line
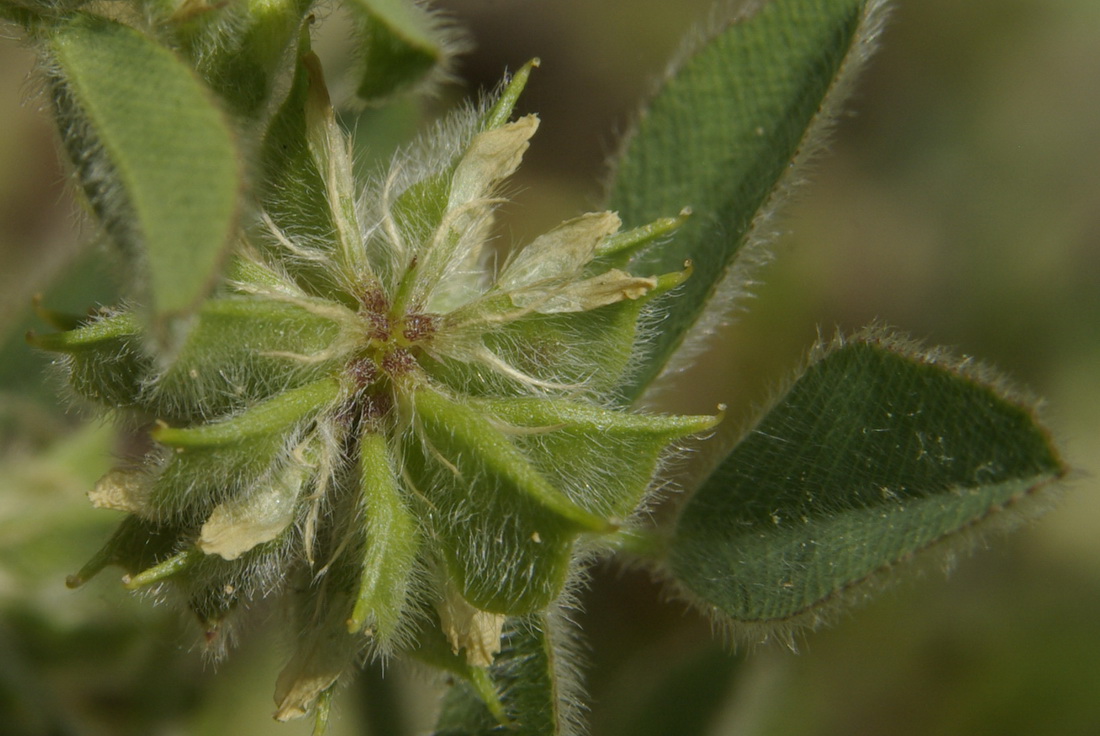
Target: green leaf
874 454
535 693
154 154
720 137
403 45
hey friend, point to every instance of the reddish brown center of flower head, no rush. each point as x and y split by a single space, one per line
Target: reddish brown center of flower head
418 327
388 357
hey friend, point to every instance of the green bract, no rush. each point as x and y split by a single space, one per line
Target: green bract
401 429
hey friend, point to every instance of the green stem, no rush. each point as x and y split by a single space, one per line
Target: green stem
487 691
647 543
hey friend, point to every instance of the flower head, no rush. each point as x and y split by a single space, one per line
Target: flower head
372 421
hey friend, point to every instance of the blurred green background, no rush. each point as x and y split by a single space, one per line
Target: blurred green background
960 202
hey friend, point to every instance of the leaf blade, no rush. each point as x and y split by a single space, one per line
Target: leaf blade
155 155
528 674
875 454
403 46
721 137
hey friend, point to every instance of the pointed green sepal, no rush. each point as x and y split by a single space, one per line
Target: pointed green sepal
461 435
625 243
606 460
136 545
292 181
214 462
506 531
270 417
174 565
57 319
501 111
105 358
391 543
310 225
242 349
593 348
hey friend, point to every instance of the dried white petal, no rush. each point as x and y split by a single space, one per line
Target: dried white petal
451 264
469 628
297 689
238 525
122 489
315 667
561 253
580 296
493 156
